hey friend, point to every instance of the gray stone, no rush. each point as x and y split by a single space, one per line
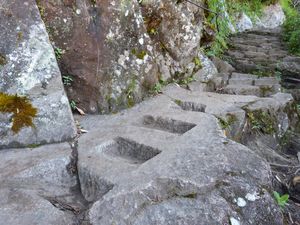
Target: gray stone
243 23
31 70
39 186
273 16
222 66
208 71
244 81
239 89
266 81
24 207
157 164
243 76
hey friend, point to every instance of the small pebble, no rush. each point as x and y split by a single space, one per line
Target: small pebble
78 11
241 202
234 221
252 197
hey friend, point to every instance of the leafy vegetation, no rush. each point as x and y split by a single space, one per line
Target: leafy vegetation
261 121
291 26
21 108
227 122
67 80
73 105
58 53
220 22
281 199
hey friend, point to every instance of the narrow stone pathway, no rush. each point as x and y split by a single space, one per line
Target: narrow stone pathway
159 161
182 157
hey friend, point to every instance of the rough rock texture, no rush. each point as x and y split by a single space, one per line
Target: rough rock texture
243 23
263 53
273 16
116 51
167 161
106 49
30 69
176 31
38 186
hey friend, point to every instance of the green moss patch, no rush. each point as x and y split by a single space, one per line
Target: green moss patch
21 108
3 60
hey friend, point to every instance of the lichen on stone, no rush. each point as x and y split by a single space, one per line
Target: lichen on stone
21 108
3 60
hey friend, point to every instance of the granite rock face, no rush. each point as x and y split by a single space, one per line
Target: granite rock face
106 49
243 23
175 29
273 16
117 51
29 68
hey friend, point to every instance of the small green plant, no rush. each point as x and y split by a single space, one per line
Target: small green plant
139 54
262 121
197 62
73 105
185 80
58 53
281 199
153 31
291 26
130 92
157 88
228 121
67 80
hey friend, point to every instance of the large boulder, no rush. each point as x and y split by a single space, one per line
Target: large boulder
273 16
175 29
28 68
106 50
243 22
117 51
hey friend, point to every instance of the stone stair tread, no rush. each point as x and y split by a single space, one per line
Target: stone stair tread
242 81
243 76
238 89
266 81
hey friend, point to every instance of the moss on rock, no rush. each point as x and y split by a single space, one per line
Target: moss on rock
21 108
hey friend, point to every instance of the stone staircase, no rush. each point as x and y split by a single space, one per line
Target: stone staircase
262 53
248 84
257 51
182 157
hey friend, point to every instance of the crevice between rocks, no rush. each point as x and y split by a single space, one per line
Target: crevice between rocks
74 203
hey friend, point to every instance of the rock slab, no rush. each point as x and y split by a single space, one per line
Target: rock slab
29 68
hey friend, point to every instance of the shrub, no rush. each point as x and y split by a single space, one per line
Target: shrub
291 27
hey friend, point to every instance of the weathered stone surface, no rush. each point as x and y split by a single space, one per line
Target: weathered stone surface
176 31
243 23
116 51
37 185
273 16
290 68
157 164
222 66
107 51
31 70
